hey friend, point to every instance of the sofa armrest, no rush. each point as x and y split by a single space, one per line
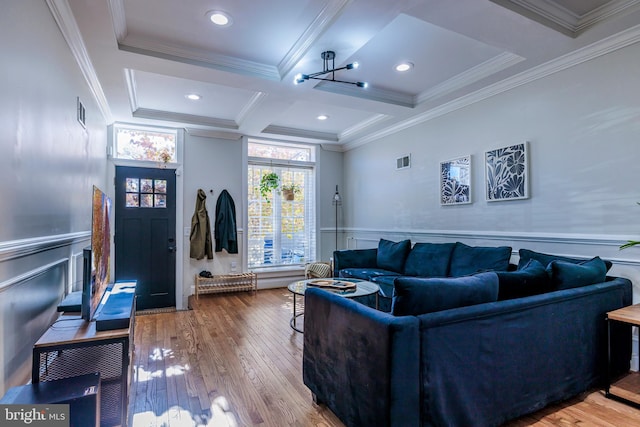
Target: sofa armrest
354 258
362 363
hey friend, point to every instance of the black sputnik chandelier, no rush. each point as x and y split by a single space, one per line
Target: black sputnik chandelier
328 68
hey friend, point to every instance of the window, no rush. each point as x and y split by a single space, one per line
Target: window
281 227
141 144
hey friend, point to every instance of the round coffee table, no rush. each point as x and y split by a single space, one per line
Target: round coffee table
362 289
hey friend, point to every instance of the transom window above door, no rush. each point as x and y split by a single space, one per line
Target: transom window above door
145 145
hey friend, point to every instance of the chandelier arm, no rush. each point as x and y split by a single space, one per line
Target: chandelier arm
333 80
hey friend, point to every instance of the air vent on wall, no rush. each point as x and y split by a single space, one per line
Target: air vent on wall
81 112
403 162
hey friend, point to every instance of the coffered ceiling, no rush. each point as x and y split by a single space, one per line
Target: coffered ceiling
142 57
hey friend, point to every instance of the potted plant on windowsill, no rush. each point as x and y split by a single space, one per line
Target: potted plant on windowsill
289 191
268 183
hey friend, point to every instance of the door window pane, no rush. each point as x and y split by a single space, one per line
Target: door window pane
146 186
160 186
133 200
132 185
160 201
146 200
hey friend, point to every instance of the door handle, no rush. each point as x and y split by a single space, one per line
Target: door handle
172 248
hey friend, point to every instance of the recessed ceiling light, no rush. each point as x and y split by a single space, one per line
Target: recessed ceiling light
404 66
322 117
219 18
193 96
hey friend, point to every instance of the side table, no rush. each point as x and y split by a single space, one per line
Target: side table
363 288
629 315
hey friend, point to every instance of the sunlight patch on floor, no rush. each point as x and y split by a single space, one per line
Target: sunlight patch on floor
221 416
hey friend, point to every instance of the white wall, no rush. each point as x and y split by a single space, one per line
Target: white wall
48 164
211 164
582 125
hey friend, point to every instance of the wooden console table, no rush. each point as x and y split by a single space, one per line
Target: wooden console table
72 347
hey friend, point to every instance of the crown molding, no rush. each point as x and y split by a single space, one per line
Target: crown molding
147 113
363 125
116 7
198 57
587 53
327 16
130 82
300 133
564 20
255 100
472 75
370 93
208 133
68 26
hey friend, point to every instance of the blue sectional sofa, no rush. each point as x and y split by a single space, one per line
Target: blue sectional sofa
474 350
390 260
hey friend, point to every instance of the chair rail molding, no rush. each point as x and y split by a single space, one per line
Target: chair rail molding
19 248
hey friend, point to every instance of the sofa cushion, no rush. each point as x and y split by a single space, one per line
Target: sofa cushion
392 255
474 259
531 279
386 284
545 259
365 273
419 295
567 275
429 260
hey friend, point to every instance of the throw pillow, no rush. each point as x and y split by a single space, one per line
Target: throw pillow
392 255
417 295
545 259
474 259
567 275
429 260
531 279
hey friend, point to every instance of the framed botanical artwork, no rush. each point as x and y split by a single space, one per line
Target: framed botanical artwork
506 173
455 181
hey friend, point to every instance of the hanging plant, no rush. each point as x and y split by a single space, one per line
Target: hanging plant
268 183
290 190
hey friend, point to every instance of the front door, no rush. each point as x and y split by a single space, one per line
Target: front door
145 236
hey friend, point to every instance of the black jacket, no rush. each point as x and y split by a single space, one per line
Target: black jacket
225 232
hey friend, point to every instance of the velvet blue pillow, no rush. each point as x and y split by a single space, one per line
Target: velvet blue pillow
531 279
429 260
545 259
392 255
418 295
467 260
567 275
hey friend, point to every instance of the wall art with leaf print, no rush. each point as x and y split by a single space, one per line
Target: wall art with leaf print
506 173
455 181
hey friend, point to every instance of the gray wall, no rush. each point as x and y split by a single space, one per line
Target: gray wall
48 164
582 125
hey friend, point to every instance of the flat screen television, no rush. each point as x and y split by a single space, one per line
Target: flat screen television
96 259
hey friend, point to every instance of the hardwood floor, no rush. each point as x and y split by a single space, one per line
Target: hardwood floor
234 361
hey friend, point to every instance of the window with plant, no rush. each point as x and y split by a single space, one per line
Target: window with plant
281 204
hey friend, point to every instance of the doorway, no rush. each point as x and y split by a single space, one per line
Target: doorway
145 233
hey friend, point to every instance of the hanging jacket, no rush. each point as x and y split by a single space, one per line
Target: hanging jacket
226 233
200 236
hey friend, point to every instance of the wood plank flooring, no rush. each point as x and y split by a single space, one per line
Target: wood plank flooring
234 361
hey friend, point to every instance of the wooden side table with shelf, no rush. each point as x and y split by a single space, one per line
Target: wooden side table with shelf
72 347
629 315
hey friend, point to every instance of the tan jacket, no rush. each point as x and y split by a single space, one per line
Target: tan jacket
200 237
